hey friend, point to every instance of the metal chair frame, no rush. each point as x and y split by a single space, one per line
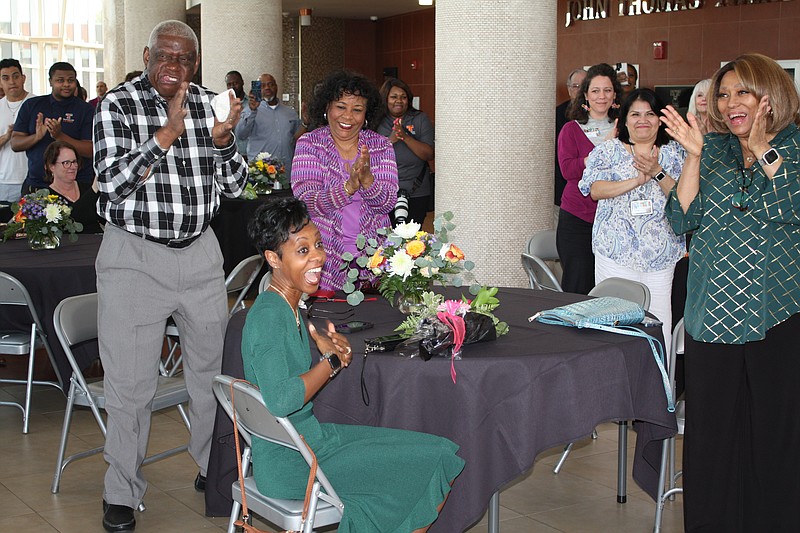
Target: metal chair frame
667 473
543 245
18 342
539 275
75 320
254 419
238 281
639 293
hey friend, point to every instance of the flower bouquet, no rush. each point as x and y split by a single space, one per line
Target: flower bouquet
45 218
407 261
440 327
266 173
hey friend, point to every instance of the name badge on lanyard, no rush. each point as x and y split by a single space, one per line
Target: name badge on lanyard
641 207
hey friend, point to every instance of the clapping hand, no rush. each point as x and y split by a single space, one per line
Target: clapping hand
360 174
647 163
690 135
398 132
221 132
53 126
758 141
332 341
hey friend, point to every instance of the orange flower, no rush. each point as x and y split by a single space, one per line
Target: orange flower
415 248
271 169
377 259
454 254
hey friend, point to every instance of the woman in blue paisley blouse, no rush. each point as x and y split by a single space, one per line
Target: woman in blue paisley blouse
630 177
740 193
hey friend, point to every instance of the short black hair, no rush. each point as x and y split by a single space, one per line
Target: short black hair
61 65
344 82
10 63
234 73
655 103
275 220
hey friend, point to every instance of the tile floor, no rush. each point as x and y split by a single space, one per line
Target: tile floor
582 498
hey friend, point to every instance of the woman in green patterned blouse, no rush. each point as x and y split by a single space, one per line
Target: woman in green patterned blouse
740 191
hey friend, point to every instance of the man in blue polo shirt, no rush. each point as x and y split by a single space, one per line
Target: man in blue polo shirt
58 116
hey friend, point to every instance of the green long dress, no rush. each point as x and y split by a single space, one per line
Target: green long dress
390 480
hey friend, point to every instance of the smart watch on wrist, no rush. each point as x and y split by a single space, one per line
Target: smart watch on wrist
660 176
769 157
333 360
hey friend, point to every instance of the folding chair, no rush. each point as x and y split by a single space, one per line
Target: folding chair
635 292
265 281
539 276
238 282
253 419
75 320
19 342
668 451
543 245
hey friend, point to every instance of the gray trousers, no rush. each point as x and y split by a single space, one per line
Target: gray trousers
139 285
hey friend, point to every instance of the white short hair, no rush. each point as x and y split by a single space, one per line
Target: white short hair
173 28
702 87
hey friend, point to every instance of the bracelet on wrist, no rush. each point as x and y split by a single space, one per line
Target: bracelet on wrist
347 191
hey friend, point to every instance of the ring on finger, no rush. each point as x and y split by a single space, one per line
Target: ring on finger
349 351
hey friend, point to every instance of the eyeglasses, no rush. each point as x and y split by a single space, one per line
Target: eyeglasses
328 313
741 199
573 86
68 163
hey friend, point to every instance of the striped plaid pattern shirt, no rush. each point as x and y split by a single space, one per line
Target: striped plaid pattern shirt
744 266
168 193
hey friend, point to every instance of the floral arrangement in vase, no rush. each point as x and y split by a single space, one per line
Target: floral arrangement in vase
266 173
44 217
407 261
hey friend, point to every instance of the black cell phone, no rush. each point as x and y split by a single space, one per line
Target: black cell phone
255 88
353 326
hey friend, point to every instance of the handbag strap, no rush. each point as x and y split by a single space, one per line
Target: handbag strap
312 475
655 346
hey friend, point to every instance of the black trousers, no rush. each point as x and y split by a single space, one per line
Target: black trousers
574 244
741 453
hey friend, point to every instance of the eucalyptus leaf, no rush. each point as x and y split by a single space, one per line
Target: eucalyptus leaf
474 288
361 241
347 257
372 242
447 215
349 287
352 274
362 261
469 265
355 298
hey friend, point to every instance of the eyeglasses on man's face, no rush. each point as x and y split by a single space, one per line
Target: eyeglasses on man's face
68 163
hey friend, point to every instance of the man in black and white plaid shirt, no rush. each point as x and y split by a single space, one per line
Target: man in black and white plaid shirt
162 161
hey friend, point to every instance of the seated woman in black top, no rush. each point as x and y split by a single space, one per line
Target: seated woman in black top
61 165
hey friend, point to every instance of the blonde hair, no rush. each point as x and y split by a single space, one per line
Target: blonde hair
760 75
701 87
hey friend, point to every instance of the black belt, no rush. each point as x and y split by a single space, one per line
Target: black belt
173 243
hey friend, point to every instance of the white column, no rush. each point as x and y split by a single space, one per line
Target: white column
243 36
495 105
141 16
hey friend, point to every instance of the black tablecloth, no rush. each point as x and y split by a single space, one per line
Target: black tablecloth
230 227
50 276
535 388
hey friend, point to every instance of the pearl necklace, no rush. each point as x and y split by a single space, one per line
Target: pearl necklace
293 308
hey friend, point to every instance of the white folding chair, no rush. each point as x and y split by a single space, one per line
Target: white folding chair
75 321
539 276
668 451
254 419
238 282
639 293
20 342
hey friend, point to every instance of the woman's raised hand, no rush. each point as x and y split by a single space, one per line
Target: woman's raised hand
647 163
360 170
690 135
758 141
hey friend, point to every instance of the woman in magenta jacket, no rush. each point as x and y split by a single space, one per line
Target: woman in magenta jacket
592 121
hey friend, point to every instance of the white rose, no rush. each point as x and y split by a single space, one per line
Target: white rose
407 230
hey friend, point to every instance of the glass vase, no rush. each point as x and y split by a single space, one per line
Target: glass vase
43 241
406 303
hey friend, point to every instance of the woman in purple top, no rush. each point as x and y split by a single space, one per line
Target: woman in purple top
592 121
346 175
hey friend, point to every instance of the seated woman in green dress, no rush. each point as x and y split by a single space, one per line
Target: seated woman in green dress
389 480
